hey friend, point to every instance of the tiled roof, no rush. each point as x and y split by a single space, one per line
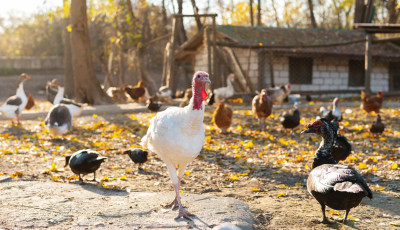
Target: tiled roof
286 37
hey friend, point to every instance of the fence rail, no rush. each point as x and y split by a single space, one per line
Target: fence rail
31 63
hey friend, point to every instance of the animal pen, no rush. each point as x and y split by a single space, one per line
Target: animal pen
314 61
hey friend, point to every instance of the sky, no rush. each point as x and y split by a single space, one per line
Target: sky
27 6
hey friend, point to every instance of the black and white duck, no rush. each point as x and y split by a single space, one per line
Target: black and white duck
74 107
337 186
84 161
335 113
291 120
377 126
14 105
59 119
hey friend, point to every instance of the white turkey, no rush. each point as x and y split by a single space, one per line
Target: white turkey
14 105
177 136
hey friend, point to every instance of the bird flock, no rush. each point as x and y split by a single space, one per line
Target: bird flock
177 134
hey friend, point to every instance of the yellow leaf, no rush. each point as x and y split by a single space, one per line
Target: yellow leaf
255 189
94 115
123 177
362 165
260 44
394 166
116 167
238 100
128 171
378 187
334 212
302 122
248 145
187 172
382 139
298 185
282 194
239 128
105 178
311 103
365 134
307 167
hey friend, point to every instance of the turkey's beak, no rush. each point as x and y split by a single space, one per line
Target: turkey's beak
206 80
27 77
309 130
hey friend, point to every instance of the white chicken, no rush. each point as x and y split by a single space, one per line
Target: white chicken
279 93
225 92
177 136
14 105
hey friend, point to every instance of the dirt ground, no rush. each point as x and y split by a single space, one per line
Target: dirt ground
266 170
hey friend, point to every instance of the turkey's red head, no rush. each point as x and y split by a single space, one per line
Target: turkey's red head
314 127
200 79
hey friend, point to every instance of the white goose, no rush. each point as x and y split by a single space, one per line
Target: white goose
74 107
14 105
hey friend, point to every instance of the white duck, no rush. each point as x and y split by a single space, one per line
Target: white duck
59 119
177 136
225 92
74 107
14 105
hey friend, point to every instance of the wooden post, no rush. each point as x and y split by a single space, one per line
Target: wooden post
171 57
208 48
271 68
368 49
214 55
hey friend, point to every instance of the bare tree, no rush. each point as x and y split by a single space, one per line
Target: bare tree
312 17
87 87
196 12
275 13
181 29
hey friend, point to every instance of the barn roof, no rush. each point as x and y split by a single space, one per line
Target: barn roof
295 41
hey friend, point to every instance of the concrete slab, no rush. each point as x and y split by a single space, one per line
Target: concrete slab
34 204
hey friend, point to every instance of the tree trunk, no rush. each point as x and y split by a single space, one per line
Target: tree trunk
393 12
164 17
259 13
181 29
312 17
197 18
147 80
68 71
87 87
251 13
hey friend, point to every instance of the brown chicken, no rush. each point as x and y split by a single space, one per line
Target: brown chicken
371 103
262 107
30 102
223 117
117 94
135 92
186 97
